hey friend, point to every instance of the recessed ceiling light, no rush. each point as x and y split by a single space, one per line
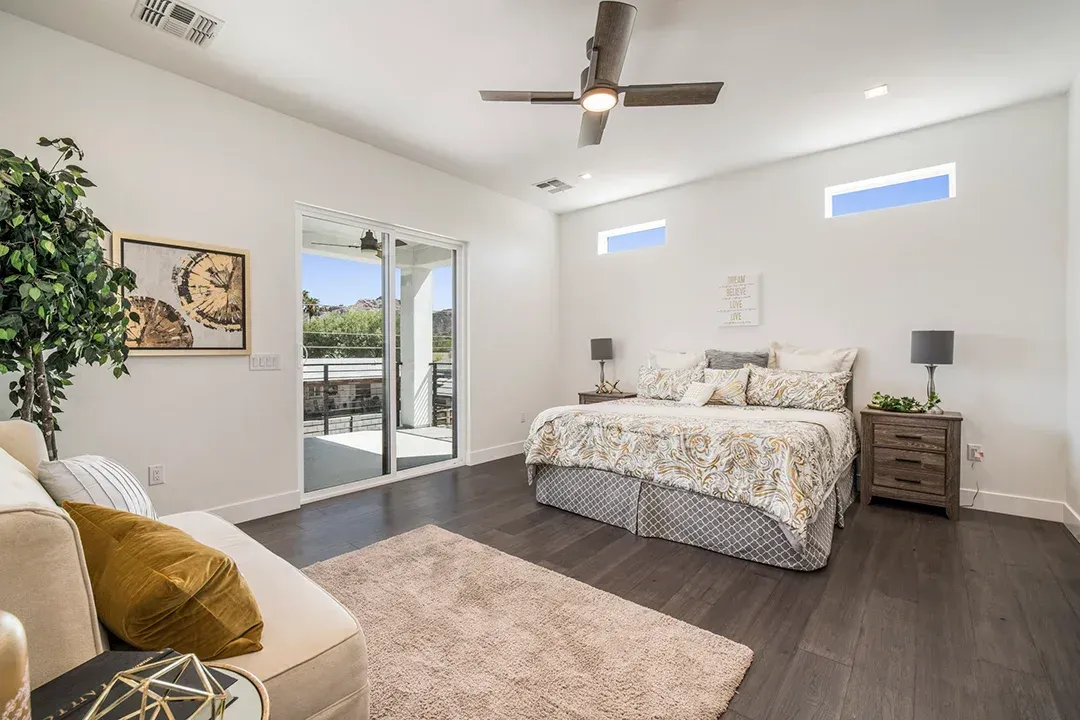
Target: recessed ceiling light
876 92
585 176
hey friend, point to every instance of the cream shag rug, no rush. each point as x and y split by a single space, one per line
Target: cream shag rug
456 629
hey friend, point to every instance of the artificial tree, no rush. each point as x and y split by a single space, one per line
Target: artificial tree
61 302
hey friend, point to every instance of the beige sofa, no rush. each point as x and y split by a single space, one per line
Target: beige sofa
314 657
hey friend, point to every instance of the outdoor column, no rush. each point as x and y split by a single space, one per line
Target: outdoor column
416 309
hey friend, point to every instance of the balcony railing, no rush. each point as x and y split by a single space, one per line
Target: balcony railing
343 395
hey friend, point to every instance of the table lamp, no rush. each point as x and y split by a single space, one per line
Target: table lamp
932 348
602 350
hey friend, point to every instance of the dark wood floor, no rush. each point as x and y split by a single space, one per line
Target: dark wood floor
915 617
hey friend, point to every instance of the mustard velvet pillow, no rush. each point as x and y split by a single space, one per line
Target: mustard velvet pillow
156 587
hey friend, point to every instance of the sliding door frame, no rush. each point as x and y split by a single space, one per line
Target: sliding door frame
390 415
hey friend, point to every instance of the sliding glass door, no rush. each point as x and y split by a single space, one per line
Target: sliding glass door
373 409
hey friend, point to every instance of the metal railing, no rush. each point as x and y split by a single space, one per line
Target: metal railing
343 395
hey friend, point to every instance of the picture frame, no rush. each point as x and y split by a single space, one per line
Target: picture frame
191 298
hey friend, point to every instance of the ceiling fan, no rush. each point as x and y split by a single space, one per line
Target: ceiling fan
367 242
600 89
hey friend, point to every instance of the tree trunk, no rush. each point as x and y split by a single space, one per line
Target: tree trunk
26 412
45 399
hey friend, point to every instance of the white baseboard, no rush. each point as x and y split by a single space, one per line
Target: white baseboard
1072 520
1006 504
477 457
259 507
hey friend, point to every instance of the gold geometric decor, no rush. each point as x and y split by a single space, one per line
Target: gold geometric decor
14 670
170 689
191 299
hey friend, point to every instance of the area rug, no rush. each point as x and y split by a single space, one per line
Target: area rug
456 629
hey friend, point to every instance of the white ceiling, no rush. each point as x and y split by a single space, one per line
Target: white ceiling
404 75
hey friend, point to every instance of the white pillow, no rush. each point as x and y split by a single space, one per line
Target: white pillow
97 480
669 360
791 357
698 393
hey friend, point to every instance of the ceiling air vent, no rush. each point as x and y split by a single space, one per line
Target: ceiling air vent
553 186
178 19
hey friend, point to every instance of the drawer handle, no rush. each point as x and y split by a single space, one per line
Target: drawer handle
908 460
909 437
906 480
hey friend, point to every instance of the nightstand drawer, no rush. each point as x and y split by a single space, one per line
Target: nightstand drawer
910 480
910 437
889 459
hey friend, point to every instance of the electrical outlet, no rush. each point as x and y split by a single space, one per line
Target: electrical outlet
974 452
156 475
522 418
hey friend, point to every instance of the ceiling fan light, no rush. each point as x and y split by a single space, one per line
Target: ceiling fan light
599 99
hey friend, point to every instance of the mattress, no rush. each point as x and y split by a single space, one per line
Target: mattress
781 462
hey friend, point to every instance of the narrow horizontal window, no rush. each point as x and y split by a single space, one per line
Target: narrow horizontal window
906 188
634 237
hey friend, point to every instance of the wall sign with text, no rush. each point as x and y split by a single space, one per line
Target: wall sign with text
740 301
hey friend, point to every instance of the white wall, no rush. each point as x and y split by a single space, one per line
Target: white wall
1072 491
176 159
988 264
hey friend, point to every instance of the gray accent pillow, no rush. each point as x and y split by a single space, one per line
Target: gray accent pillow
97 480
729 360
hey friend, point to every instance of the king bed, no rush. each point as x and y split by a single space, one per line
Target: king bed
758 482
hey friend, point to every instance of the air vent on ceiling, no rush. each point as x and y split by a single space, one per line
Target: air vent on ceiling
553 186
178 19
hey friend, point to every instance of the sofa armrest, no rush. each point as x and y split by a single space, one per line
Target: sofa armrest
44 583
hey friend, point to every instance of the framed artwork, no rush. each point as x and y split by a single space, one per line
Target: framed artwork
191 299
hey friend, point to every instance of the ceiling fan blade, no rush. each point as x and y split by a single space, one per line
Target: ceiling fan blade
337 245
536 97
592 128
614 23
671 94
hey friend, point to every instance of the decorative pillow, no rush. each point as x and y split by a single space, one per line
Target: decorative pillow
730 386
698 393
790 357
734 360
796 388
665 384
98 480
675 360
156 587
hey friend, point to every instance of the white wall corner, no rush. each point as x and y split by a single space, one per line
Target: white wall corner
1020 505
478 457
259 507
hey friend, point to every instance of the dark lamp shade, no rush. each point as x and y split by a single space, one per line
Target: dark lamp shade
602 349
932 347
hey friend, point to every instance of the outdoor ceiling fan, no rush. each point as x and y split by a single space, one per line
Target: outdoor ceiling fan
367 242
600 89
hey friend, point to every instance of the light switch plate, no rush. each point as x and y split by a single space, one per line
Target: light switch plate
265 361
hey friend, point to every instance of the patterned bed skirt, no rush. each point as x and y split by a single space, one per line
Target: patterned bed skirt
651 510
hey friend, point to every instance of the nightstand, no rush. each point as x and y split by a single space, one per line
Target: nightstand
588 398
913 457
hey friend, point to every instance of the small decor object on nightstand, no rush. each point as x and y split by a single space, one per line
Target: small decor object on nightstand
932 348
603 349
14 669
173 688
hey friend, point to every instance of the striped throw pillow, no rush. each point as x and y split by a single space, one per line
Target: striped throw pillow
97 480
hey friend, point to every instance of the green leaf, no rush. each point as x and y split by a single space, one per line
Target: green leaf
35 293
85 182
48 247
4 250
58 288
44 142
18 220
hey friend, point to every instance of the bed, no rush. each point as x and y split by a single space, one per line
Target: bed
766 484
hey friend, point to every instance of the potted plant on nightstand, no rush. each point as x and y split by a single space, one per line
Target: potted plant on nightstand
61 302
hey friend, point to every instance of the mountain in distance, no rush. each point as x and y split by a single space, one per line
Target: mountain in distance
442 321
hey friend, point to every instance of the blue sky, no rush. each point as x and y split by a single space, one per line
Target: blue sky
342 282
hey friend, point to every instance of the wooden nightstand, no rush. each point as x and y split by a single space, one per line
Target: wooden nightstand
911 457
587 398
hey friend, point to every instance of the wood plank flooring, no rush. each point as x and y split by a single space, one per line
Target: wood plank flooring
914 618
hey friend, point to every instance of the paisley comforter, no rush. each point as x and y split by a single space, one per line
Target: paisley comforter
782 461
